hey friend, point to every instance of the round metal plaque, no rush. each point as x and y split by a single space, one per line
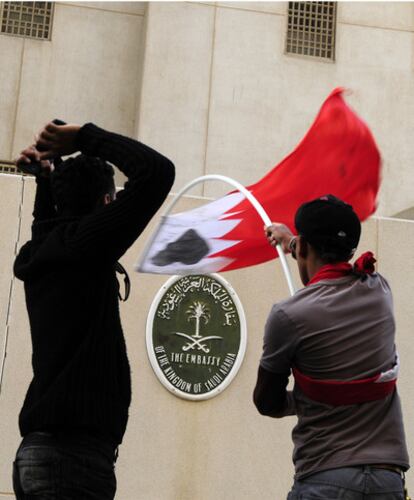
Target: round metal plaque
196 335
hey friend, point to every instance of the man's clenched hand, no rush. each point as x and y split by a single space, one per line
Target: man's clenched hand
57 140
279 234
31 154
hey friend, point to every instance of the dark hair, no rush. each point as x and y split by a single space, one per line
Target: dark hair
79 184
330 253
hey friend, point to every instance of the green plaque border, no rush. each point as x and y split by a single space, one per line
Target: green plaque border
150 346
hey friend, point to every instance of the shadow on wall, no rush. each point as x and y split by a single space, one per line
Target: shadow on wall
407 214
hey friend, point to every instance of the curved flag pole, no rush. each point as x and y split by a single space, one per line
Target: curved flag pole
260 210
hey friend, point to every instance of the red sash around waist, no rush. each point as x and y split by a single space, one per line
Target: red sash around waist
338 393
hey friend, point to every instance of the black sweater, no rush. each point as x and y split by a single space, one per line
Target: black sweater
81 376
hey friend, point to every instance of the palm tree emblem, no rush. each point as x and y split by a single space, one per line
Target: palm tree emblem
199 312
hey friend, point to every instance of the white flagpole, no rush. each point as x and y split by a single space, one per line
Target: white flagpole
260 210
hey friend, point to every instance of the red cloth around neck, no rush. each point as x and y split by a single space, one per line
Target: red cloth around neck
363 265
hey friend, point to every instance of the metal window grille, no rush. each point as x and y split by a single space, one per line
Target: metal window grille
8 167
311 29
28 19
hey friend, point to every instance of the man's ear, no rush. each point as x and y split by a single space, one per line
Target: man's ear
302 247
107 198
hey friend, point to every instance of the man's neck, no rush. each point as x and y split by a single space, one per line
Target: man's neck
314 266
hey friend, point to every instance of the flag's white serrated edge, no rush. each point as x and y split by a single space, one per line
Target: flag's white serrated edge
208 221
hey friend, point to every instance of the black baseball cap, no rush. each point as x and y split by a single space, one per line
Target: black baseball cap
329 225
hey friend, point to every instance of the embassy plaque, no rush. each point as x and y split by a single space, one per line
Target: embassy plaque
196 335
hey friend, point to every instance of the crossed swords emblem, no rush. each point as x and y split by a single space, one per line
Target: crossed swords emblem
197 311
197 342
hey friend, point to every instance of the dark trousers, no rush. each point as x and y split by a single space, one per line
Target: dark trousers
64 467
350 483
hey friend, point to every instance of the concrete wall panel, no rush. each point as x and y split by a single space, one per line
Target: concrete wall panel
361 71
384 50
395 256
88 73
173 108
369 237
136 8
390 15
236 92
279 8
10 201
18 372
259 110
10 60
17 376
9 227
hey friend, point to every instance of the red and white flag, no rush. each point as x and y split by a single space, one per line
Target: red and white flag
338 156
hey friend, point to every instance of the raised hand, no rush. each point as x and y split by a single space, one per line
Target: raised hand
57 140
279 234
30 155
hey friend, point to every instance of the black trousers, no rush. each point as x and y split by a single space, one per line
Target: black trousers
64 467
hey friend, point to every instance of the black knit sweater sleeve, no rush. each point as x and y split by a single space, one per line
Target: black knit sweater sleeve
111 230
44 206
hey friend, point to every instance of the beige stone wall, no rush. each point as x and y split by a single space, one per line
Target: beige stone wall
220 95
89 71
209 83
176 449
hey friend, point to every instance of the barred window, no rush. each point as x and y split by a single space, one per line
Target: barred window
311 29
28 19
8 167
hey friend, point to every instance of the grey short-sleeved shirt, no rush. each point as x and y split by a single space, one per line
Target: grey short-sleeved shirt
338 329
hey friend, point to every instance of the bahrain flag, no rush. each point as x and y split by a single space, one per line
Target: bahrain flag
338 156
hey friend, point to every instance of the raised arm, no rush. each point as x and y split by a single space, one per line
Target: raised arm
44 206
110 230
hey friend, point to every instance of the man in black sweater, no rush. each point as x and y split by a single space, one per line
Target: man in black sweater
76 409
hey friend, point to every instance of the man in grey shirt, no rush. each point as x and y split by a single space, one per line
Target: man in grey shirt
337 337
